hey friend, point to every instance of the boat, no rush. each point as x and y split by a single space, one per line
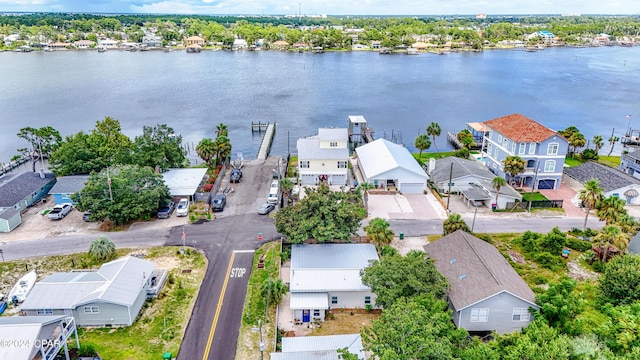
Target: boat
101 49
22 288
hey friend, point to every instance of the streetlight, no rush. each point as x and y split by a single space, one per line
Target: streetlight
261 342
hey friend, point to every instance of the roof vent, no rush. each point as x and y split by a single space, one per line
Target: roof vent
453 261
462 277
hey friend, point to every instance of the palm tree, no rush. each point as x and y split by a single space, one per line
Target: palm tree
612 140
598 142
223 149
222 130
454 223
513 165
207 150
497 183
611 236
434 130
102 249
379 233
611 210
576 141
422 143
272 290
627 223
591 196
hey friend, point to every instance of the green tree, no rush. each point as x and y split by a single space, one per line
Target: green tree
322 215
207 150
620 281
272 291
611 210
137 193
598 142
42 141
344 354
612 140
395 276
102 249
560 304
466 139
109 143
538 341
222 130
553 242
378 232
159 146
414 328
611 236
513 165
497 183
589 155
576 141
434 130
591 196
454 223
569 132
421 143
620 330
223 149
75 155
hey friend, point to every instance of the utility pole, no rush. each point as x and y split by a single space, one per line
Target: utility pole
261 342
533 185
449 193
474 218
109 184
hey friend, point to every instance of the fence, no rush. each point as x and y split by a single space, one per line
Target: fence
537 204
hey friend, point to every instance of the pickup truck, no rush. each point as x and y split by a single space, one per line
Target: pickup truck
60 211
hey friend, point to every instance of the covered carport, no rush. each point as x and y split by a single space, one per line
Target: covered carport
474 194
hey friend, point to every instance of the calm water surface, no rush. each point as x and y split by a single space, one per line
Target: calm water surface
592 88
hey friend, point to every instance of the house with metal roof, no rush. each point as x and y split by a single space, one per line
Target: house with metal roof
327 276
630 163
324 157
390 166
486 293
319 347
184 182
111 296
612 181
18 192
472 180
36 337
67 186
542 149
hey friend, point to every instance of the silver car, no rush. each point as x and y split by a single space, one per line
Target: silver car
183 208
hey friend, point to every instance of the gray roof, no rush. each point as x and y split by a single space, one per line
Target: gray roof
474 192
14 188
69 184
117 282
8 213
609 178
309 149
475 270
353 343
634 154
332 256
306 355
461 168
634 245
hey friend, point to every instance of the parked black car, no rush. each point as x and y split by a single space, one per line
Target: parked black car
236 175
166 211
219 201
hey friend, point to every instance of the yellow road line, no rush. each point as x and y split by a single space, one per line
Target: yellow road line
207 349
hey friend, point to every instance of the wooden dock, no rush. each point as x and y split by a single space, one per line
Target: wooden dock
259 126
267 139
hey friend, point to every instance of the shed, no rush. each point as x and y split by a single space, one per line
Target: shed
19 191
390 166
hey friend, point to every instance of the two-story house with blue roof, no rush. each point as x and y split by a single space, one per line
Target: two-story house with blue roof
542 149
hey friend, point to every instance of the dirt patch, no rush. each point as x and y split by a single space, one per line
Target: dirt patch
347 322
517 258
579 273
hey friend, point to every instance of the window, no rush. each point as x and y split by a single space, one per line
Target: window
520 314
532 148
342 164
367 300
44 311
333 144
513 147
549 166
489 149
495 153
479 315
304 164
316 313
499 139
91 310
490 133
66 196
505 142
334 300
552 149
522 148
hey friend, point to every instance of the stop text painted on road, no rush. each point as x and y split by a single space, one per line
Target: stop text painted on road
238 272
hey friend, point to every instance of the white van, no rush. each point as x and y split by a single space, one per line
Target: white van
273 196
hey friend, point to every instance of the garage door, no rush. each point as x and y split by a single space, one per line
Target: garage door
547 184
412 188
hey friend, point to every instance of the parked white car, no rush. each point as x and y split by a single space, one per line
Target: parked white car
60 211
183 208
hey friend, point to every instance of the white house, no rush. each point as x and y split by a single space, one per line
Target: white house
36 337
324 157
184 182
390 166
319 347
612 181
327 276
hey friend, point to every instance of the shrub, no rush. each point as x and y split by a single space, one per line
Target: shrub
540 279
207 187
578 245
598 266
550 261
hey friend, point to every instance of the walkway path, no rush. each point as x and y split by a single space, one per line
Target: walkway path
266 142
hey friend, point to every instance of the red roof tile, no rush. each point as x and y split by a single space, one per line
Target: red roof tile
520 128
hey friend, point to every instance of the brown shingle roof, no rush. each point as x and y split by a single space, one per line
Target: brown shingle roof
475 270
520 128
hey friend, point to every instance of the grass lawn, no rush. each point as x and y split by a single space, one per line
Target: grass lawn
293 164
572 161
536 196
429 155
612 161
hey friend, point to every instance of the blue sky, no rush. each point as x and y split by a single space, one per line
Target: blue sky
330 7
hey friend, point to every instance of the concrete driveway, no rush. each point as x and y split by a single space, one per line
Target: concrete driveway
404 207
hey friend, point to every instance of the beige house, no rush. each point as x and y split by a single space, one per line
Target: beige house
324 157
194 40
